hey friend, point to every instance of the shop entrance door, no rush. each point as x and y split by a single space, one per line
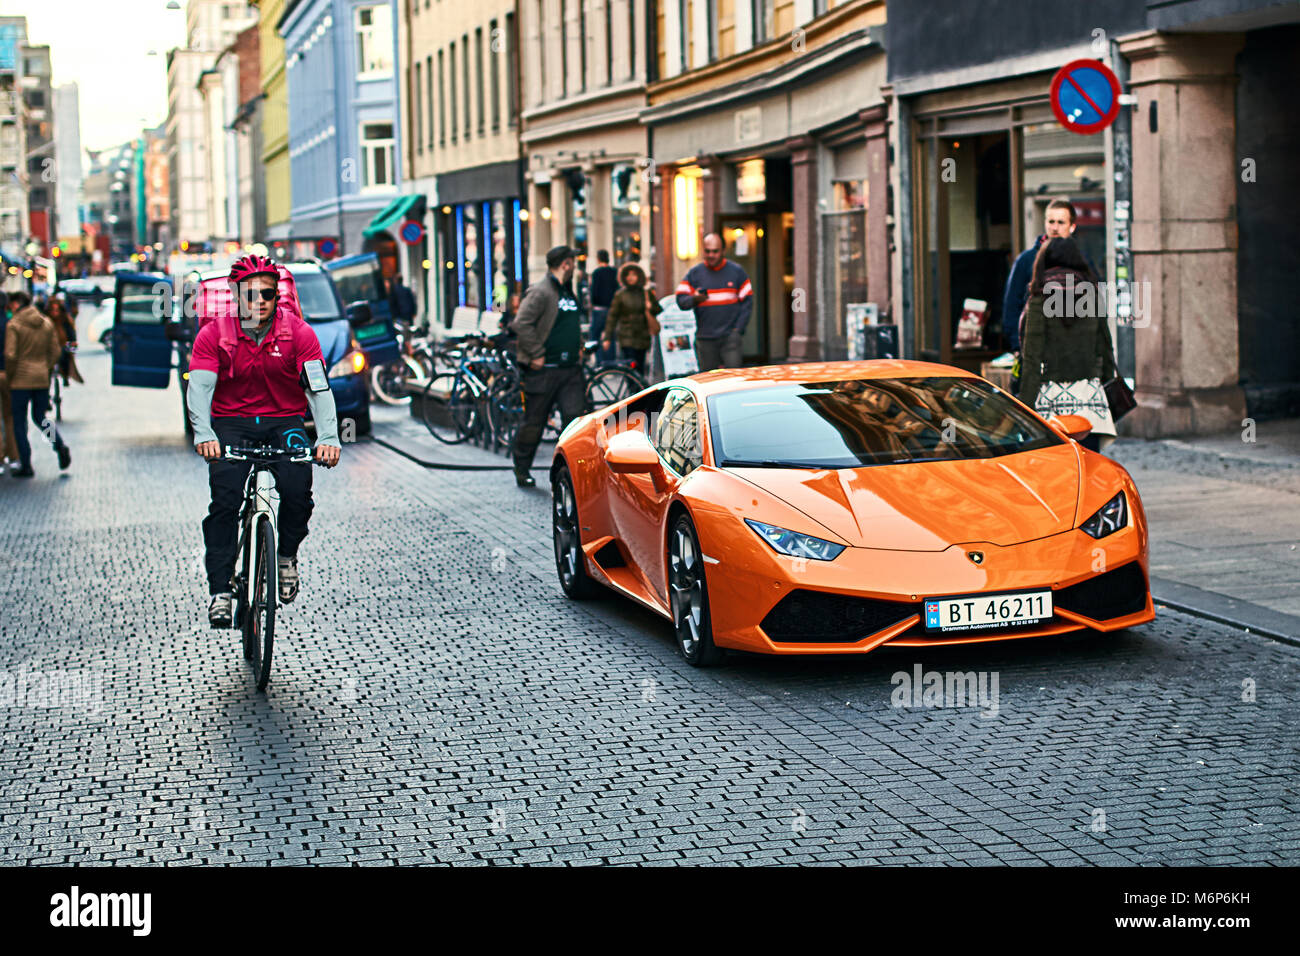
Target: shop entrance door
745 246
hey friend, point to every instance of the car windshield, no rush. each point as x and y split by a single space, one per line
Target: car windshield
870 421
358 283
316 296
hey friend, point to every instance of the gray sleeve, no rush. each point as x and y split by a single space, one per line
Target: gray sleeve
198 399
325 415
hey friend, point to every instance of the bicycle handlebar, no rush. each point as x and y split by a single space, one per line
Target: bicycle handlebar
267 453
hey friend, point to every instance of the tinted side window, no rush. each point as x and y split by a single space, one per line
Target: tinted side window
677 438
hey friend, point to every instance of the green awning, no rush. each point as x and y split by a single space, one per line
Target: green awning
401 208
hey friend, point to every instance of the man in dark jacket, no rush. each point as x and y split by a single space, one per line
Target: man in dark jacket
604 283
720 293
1059 223
401 302
549 350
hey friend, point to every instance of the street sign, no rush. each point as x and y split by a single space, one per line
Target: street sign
327 247
1085 96
412 232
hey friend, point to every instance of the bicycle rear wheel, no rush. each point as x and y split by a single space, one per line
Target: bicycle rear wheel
505 408
610 385
259 613
450 409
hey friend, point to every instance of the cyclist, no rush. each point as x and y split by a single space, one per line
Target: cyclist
251 382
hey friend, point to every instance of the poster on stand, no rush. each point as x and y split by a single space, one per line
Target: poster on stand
677 344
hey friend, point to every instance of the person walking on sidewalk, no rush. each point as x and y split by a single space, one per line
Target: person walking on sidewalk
56 310
632 321
8 447
720 293
604 284
31 352
1066 357
549 350
1059 222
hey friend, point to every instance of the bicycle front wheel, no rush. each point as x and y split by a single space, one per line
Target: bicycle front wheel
610 385
259 616
449 409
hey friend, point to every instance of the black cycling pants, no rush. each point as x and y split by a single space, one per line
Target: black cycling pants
226 479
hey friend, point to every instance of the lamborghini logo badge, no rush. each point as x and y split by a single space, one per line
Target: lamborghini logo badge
976 557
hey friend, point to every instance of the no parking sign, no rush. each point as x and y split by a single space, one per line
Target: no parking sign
1085 96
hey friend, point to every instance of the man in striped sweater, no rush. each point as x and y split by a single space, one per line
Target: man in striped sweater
720 293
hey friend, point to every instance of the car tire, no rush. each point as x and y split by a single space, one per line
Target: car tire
566 534
688 596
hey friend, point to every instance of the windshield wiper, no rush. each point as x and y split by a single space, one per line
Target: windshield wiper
768 463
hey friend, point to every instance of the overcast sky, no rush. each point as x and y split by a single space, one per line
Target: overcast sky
103 46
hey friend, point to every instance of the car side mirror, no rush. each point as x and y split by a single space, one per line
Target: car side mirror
1071 426
359 314
630 453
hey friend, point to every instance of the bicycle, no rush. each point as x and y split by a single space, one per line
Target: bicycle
456 400
258 570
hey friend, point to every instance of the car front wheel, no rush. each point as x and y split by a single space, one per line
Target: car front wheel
688 596
570 563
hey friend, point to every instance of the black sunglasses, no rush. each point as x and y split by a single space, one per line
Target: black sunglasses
268 295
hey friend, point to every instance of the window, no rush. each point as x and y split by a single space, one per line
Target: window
764 20
684 31
631 37
609 42
711 14
677 438
564 48
497 46
512 85
478 79
377 149
442 105
418 102
374 41
451 72
582 45
464 62
428 90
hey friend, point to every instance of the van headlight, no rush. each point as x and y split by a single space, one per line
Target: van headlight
352 363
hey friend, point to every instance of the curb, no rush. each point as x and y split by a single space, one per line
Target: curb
1234 612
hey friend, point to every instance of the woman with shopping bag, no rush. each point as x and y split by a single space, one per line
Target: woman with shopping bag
1066 353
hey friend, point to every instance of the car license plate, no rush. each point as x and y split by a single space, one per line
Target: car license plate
975 612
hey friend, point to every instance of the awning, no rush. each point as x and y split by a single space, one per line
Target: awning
401 208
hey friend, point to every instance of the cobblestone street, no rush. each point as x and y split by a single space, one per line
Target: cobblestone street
437 699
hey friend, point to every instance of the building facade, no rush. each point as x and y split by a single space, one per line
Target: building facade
273 115
38 101
461 107
344 137
767 125
1172 208
13 139
68 161
586 150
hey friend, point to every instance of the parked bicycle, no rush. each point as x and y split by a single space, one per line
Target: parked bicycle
256 586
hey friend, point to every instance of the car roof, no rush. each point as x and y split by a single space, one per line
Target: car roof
737 379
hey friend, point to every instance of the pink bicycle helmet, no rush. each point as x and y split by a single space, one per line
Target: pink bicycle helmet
253 266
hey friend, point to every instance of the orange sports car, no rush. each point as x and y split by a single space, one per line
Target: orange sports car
836 507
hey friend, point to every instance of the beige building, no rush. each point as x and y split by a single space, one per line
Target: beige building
461 119
586 151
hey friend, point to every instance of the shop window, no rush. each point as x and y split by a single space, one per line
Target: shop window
577 183
844 255
625 190
374 28
688 213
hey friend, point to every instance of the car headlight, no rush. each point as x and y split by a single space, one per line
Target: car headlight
352 363
794 544
1108 519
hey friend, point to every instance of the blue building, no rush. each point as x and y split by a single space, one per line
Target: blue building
344 137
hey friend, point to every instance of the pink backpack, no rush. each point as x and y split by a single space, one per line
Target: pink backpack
214 303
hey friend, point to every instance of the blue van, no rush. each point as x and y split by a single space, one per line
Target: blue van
150 326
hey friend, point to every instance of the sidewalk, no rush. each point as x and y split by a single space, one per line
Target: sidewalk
1224 516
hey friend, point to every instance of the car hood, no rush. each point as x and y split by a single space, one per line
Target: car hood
335 338
930 506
